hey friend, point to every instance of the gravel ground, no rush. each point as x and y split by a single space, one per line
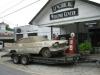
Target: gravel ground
43 69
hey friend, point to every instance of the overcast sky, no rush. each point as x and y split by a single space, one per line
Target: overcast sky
20 18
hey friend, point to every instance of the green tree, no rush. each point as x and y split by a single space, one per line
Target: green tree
8 28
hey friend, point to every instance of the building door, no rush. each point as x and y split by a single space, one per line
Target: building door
95 38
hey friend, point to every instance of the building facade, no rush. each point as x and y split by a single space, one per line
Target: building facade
79 16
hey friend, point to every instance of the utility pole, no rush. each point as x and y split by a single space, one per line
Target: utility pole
51 32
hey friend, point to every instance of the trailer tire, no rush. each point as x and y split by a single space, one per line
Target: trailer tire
46 53
13 51
16 59
24 60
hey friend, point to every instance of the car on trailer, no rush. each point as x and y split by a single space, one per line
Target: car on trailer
37 45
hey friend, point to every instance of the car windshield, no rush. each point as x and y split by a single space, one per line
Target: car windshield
32 39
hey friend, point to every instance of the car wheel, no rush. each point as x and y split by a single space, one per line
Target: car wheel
24 60
16 59
46 53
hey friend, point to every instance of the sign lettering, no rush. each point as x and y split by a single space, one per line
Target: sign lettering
67 4
64 14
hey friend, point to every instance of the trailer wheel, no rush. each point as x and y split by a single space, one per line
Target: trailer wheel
24 60
46 53
16 59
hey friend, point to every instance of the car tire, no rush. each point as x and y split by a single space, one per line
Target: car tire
16 59
46 53
24 60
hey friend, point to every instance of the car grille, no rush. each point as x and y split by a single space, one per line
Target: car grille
62 45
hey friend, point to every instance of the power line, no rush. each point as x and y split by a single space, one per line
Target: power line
20 9
12 6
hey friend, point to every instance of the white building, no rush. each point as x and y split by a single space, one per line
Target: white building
2 27
79 16
5 34
33 30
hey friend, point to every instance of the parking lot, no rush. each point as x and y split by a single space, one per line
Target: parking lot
64 69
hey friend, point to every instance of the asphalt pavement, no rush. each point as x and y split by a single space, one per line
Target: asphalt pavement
4 70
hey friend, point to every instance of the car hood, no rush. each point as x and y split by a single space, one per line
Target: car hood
51 42
60 41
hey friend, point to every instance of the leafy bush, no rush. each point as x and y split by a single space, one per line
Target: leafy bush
85 47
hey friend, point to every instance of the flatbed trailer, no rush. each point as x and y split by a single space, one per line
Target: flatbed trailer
27 58
67 59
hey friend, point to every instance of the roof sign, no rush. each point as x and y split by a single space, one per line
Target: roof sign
66 4
64 14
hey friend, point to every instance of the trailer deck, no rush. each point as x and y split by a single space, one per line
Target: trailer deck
68 58
56 60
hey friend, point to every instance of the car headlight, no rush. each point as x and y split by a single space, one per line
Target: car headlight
55 45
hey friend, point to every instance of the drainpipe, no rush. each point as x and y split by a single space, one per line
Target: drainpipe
51 32
15 38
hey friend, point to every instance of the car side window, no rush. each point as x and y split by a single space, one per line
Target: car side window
0 43
62 38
